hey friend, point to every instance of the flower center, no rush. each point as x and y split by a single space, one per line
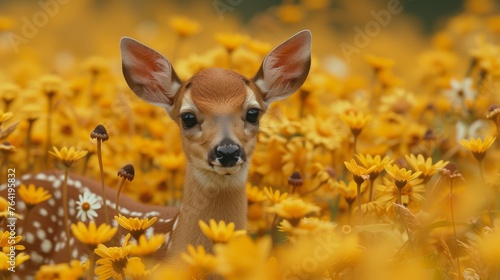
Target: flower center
85 206
400 183
119 265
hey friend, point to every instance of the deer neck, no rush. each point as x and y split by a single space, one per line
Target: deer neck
206 196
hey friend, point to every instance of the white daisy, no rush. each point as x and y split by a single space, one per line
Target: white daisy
461 92
87 204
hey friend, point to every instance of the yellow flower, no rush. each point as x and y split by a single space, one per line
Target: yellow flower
4 205
31 112
412 195
356 121
478 146
145 246
293 209
32 195
113 260
360 173
231 41
368 161
6 243
199 260
419 163
135 269
72 271
168 271
136 226
290 13
232 263
401 175
268 162
67 156
349 191
306 226
219 233
321 173
299 154
172 161
254 194
183 26
96 65
5 116
5 261
93 235
275 196
379 63
51 85
259 47
322 132
398 101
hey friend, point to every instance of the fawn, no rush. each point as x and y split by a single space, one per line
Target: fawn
218 112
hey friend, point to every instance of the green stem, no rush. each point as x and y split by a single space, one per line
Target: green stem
273 228
101 169
7 104
453 223
355 144
349 211
91 264
372 182
230 59
358 194
400 193
490 213
120 186
49 129
65 207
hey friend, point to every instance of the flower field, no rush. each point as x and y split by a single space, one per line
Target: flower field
383 165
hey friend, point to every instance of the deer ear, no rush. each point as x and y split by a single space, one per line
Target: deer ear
285 68
148 73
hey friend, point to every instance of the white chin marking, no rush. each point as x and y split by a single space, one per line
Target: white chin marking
227 170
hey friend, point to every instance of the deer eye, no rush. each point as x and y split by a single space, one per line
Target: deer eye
253 115
188 120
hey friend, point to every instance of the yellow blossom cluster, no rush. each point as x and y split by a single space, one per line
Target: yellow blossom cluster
383 165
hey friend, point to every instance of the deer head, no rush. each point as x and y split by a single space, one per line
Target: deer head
217 110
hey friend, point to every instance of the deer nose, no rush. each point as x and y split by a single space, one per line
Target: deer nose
227 153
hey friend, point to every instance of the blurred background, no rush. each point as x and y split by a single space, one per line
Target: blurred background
84 26
56 34
417 76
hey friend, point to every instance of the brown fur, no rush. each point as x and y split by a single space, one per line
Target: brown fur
217 89
219 99
219 95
